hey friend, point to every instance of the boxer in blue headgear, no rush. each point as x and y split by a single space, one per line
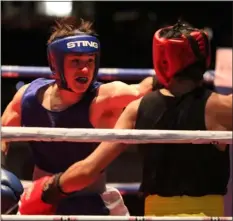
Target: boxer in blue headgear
73 99
76 45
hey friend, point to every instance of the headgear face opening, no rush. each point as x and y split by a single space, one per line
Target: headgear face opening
77 44
172 55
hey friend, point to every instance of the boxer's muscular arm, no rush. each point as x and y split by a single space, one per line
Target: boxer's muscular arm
117 95
224 112
82 173
219 112
12 114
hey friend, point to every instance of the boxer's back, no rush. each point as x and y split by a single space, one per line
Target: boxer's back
180 169
55 157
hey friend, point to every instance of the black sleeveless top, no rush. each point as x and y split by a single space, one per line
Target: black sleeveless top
180 169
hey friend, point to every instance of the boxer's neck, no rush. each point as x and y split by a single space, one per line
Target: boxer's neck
65 96
180 87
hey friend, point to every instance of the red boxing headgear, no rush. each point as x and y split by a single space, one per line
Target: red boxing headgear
172 55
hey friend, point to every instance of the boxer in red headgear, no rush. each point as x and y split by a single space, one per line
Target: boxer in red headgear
178 50
178 179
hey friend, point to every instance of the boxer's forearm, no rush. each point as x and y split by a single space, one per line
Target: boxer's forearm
77 177
85 172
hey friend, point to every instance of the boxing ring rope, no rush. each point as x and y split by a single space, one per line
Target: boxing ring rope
113 135
110 74
104 218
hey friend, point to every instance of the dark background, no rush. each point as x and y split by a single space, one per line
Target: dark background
125 40
125 43
125 31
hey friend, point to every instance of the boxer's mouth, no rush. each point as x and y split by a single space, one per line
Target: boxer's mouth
82 80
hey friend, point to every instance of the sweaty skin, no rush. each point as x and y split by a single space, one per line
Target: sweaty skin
218 116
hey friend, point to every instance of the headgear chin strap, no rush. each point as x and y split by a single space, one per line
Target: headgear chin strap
81 44
172 55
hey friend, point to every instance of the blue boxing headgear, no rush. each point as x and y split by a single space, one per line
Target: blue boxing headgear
77 44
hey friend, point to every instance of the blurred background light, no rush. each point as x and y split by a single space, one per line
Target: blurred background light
55 8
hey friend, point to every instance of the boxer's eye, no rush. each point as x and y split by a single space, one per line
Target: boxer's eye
90 60
75 62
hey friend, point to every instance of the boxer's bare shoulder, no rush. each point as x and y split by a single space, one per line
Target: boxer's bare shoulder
146 85
221 117
12 113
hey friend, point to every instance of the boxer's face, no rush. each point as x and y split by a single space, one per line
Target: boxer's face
79 71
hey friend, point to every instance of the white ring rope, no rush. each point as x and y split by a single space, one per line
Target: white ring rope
74 218
11 134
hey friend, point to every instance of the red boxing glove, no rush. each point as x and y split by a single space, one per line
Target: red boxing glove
42 197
